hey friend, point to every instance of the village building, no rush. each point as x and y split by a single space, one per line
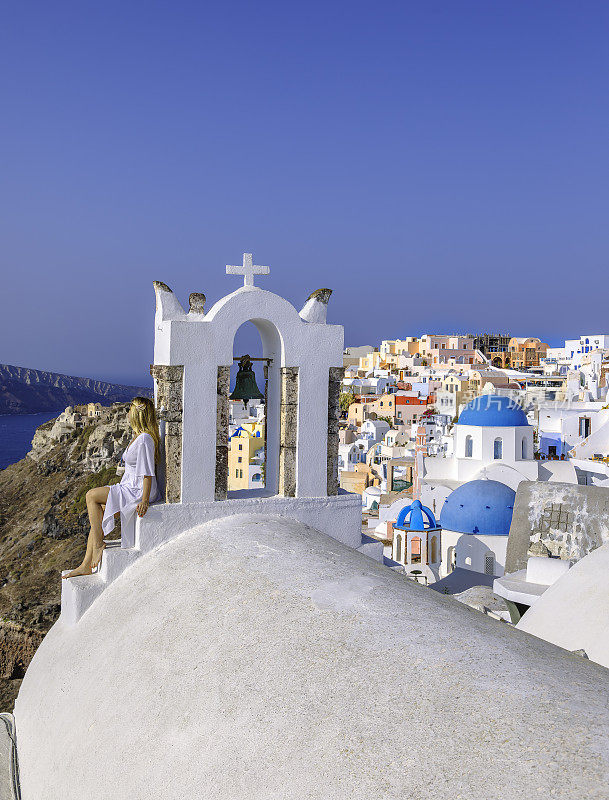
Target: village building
575 351
574 429
454 391
522 353
475 520
491 343
352 355
417 540
245 458
493 440
447 350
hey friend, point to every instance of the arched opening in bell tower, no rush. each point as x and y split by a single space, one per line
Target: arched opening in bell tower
247 412
254 410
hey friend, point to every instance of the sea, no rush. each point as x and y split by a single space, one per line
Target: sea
16 433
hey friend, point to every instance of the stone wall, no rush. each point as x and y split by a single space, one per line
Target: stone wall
222 414
169 384
288 435
556 519
334 386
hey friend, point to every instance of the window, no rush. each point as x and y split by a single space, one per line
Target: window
240 447
398 548
469 446
415 550
239 460
524 448
498 448
489 565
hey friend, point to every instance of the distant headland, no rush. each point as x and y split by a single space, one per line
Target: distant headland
27 391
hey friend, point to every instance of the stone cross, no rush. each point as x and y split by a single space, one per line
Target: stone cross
248 270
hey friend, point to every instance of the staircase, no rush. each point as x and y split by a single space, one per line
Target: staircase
78 594
597 442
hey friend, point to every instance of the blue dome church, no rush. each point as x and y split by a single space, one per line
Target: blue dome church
416 540
492 453
492 428
476 519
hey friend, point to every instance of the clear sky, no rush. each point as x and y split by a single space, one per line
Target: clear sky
442 166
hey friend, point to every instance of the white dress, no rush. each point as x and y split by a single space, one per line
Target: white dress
126 495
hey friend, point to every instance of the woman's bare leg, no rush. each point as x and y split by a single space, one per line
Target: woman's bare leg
96 500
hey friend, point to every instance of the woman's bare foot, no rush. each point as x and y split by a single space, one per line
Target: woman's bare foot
97 555
84 569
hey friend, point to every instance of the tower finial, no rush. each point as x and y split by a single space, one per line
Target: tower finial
248 270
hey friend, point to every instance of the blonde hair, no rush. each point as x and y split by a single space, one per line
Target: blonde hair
142 418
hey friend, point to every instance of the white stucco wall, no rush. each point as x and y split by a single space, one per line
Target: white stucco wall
471 550
573 612
483 439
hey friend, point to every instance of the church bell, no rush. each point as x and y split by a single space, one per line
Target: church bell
246 388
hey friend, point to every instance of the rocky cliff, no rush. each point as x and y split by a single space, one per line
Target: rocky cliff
43 527
26 391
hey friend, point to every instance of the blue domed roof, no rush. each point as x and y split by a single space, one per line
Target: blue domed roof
493 411
483 507
421 518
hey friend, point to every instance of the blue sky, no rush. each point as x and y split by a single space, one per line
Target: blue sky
442 166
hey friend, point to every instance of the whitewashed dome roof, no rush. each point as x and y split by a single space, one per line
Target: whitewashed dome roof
573 612
254 658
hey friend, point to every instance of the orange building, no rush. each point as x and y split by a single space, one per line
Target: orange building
521 353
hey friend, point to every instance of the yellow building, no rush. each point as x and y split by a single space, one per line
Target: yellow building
392 349
370 362
383 406
458 385
94 409
245 444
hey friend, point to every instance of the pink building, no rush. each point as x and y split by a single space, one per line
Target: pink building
444 349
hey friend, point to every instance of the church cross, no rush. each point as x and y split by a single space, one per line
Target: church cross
248 270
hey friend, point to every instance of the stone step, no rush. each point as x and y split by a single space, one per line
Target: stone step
115 561
78 594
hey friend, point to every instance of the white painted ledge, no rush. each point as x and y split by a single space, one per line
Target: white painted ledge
338 517
515 587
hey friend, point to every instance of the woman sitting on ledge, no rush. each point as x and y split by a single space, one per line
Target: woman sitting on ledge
136 490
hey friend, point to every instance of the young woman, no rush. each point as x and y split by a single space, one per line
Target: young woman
136 490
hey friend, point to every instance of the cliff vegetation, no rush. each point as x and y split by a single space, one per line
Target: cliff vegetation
43 529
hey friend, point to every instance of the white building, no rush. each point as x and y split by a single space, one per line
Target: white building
374 385
493 440
348 456
475 521
576 351
576 429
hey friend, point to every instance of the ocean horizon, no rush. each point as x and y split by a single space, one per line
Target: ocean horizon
16 433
